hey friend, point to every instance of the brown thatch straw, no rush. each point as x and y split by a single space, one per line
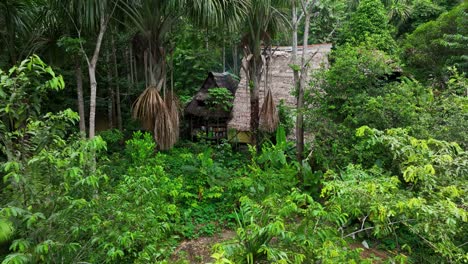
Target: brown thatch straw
281 83
147 105
164 133
173 107
154 115
269 118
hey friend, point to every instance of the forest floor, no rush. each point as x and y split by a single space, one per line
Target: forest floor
377 255
197 251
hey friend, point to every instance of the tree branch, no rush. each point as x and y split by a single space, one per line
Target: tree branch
461 245
372 227
104 21
102 31
311 57
78 31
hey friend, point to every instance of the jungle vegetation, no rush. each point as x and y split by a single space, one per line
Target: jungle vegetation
385 165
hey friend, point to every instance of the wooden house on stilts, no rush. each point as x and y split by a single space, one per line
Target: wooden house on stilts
234 123
209 121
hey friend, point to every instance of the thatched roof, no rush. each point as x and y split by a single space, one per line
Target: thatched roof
197 106
280 82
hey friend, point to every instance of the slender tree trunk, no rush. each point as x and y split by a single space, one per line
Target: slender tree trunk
127 63
235 57
164 74
117 85
132 65
129 71
302 83
110 93
135 68
207 40
92 78
224 55
295 23
172 72
145 62
255 110
92 101
256 76
267 70
79 91
130 58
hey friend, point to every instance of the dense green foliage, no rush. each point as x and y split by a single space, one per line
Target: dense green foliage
437 44
369 21
220 98
386 169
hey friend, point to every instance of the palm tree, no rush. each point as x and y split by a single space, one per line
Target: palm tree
15 21
155 19
264 19
398 11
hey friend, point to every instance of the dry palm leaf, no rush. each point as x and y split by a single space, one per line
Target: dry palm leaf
164 132
154 115
268 115
147 105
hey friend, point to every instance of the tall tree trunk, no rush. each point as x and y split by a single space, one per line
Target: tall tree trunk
130 57
256 76
235 57
295 24
145 62
135 68
224 55
110 93
79 91
92 78
207 40
164 75
92 101
302 83
117 85
172 72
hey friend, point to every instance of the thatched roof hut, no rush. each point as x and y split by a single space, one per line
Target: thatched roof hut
206 119
280 82
198 107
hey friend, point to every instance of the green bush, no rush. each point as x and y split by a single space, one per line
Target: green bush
419 189
292 228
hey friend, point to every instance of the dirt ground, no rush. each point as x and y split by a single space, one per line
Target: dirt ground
198 251
371 253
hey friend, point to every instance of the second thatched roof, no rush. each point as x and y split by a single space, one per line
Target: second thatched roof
198 107
280 82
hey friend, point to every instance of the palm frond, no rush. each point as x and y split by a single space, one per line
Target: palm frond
265 19
214 13
269 118
146 107
164 132
158 115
